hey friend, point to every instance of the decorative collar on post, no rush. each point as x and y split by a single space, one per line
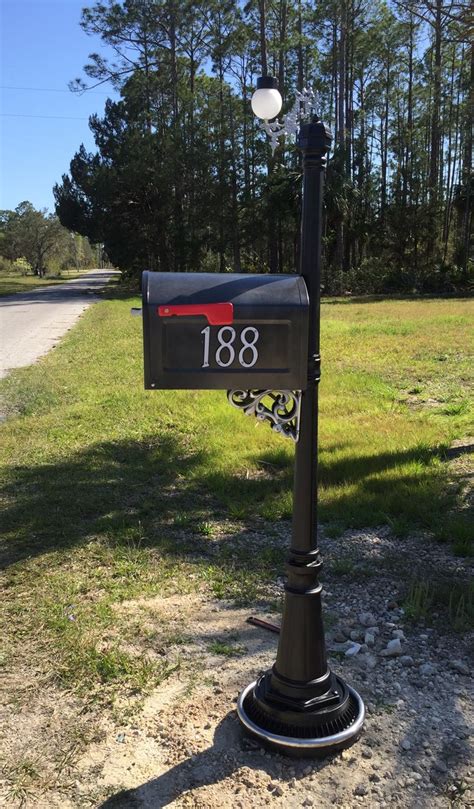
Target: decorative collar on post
313 138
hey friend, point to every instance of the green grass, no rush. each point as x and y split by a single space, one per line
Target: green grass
342 566
450 601
113 493
14 282
218 647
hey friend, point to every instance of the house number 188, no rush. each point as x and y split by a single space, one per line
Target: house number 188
225 352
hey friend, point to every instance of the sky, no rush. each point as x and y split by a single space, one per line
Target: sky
42 124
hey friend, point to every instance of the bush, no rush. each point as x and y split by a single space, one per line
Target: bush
444 278
376 276
6 266
22 266
370 277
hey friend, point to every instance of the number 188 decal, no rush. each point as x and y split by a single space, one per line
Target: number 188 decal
225 353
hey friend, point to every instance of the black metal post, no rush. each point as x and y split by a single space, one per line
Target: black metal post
300 707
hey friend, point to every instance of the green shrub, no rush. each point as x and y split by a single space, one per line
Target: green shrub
6 266
22 266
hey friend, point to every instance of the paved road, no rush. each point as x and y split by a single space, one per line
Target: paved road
32 322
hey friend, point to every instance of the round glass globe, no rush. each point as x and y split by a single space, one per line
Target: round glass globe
266 103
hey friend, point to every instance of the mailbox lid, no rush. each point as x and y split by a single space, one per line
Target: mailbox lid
237 288
267 330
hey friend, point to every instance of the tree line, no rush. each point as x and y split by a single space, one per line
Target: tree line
34 242
183 178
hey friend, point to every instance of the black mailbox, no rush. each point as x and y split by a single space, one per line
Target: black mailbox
216 331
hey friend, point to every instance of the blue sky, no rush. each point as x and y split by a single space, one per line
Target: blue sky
42 48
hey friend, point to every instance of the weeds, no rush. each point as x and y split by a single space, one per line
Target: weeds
449 601
182 519
342 566
205 528
23 779
218 647
459 531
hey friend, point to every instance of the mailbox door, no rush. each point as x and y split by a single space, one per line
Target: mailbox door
209 331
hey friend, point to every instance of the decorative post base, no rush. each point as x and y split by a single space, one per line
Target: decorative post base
300 707
318 732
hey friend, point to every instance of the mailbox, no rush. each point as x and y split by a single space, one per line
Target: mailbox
219 331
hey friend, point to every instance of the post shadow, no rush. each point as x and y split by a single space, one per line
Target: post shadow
106 486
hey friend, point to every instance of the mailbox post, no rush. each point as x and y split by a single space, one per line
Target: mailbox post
257 336
299 706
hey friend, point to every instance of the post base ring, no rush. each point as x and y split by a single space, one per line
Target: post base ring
301 747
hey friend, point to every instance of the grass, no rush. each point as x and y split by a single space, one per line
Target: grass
218 647
114 493
453 601
342 566
23 778
36 768
14 282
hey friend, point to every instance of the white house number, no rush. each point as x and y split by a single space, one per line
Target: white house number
225 352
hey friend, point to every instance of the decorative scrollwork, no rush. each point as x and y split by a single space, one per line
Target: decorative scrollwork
281 408
303 106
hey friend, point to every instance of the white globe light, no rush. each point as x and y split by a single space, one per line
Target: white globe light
266 103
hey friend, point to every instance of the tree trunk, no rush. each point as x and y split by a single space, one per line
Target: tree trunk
384 143
235 203
299 50
436 105
263 40
467 177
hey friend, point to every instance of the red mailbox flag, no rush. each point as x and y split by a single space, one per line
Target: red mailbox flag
217 314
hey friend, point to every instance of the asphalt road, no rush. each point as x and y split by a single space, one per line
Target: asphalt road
31 323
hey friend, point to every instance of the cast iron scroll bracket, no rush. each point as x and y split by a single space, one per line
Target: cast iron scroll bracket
303 106
281 408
